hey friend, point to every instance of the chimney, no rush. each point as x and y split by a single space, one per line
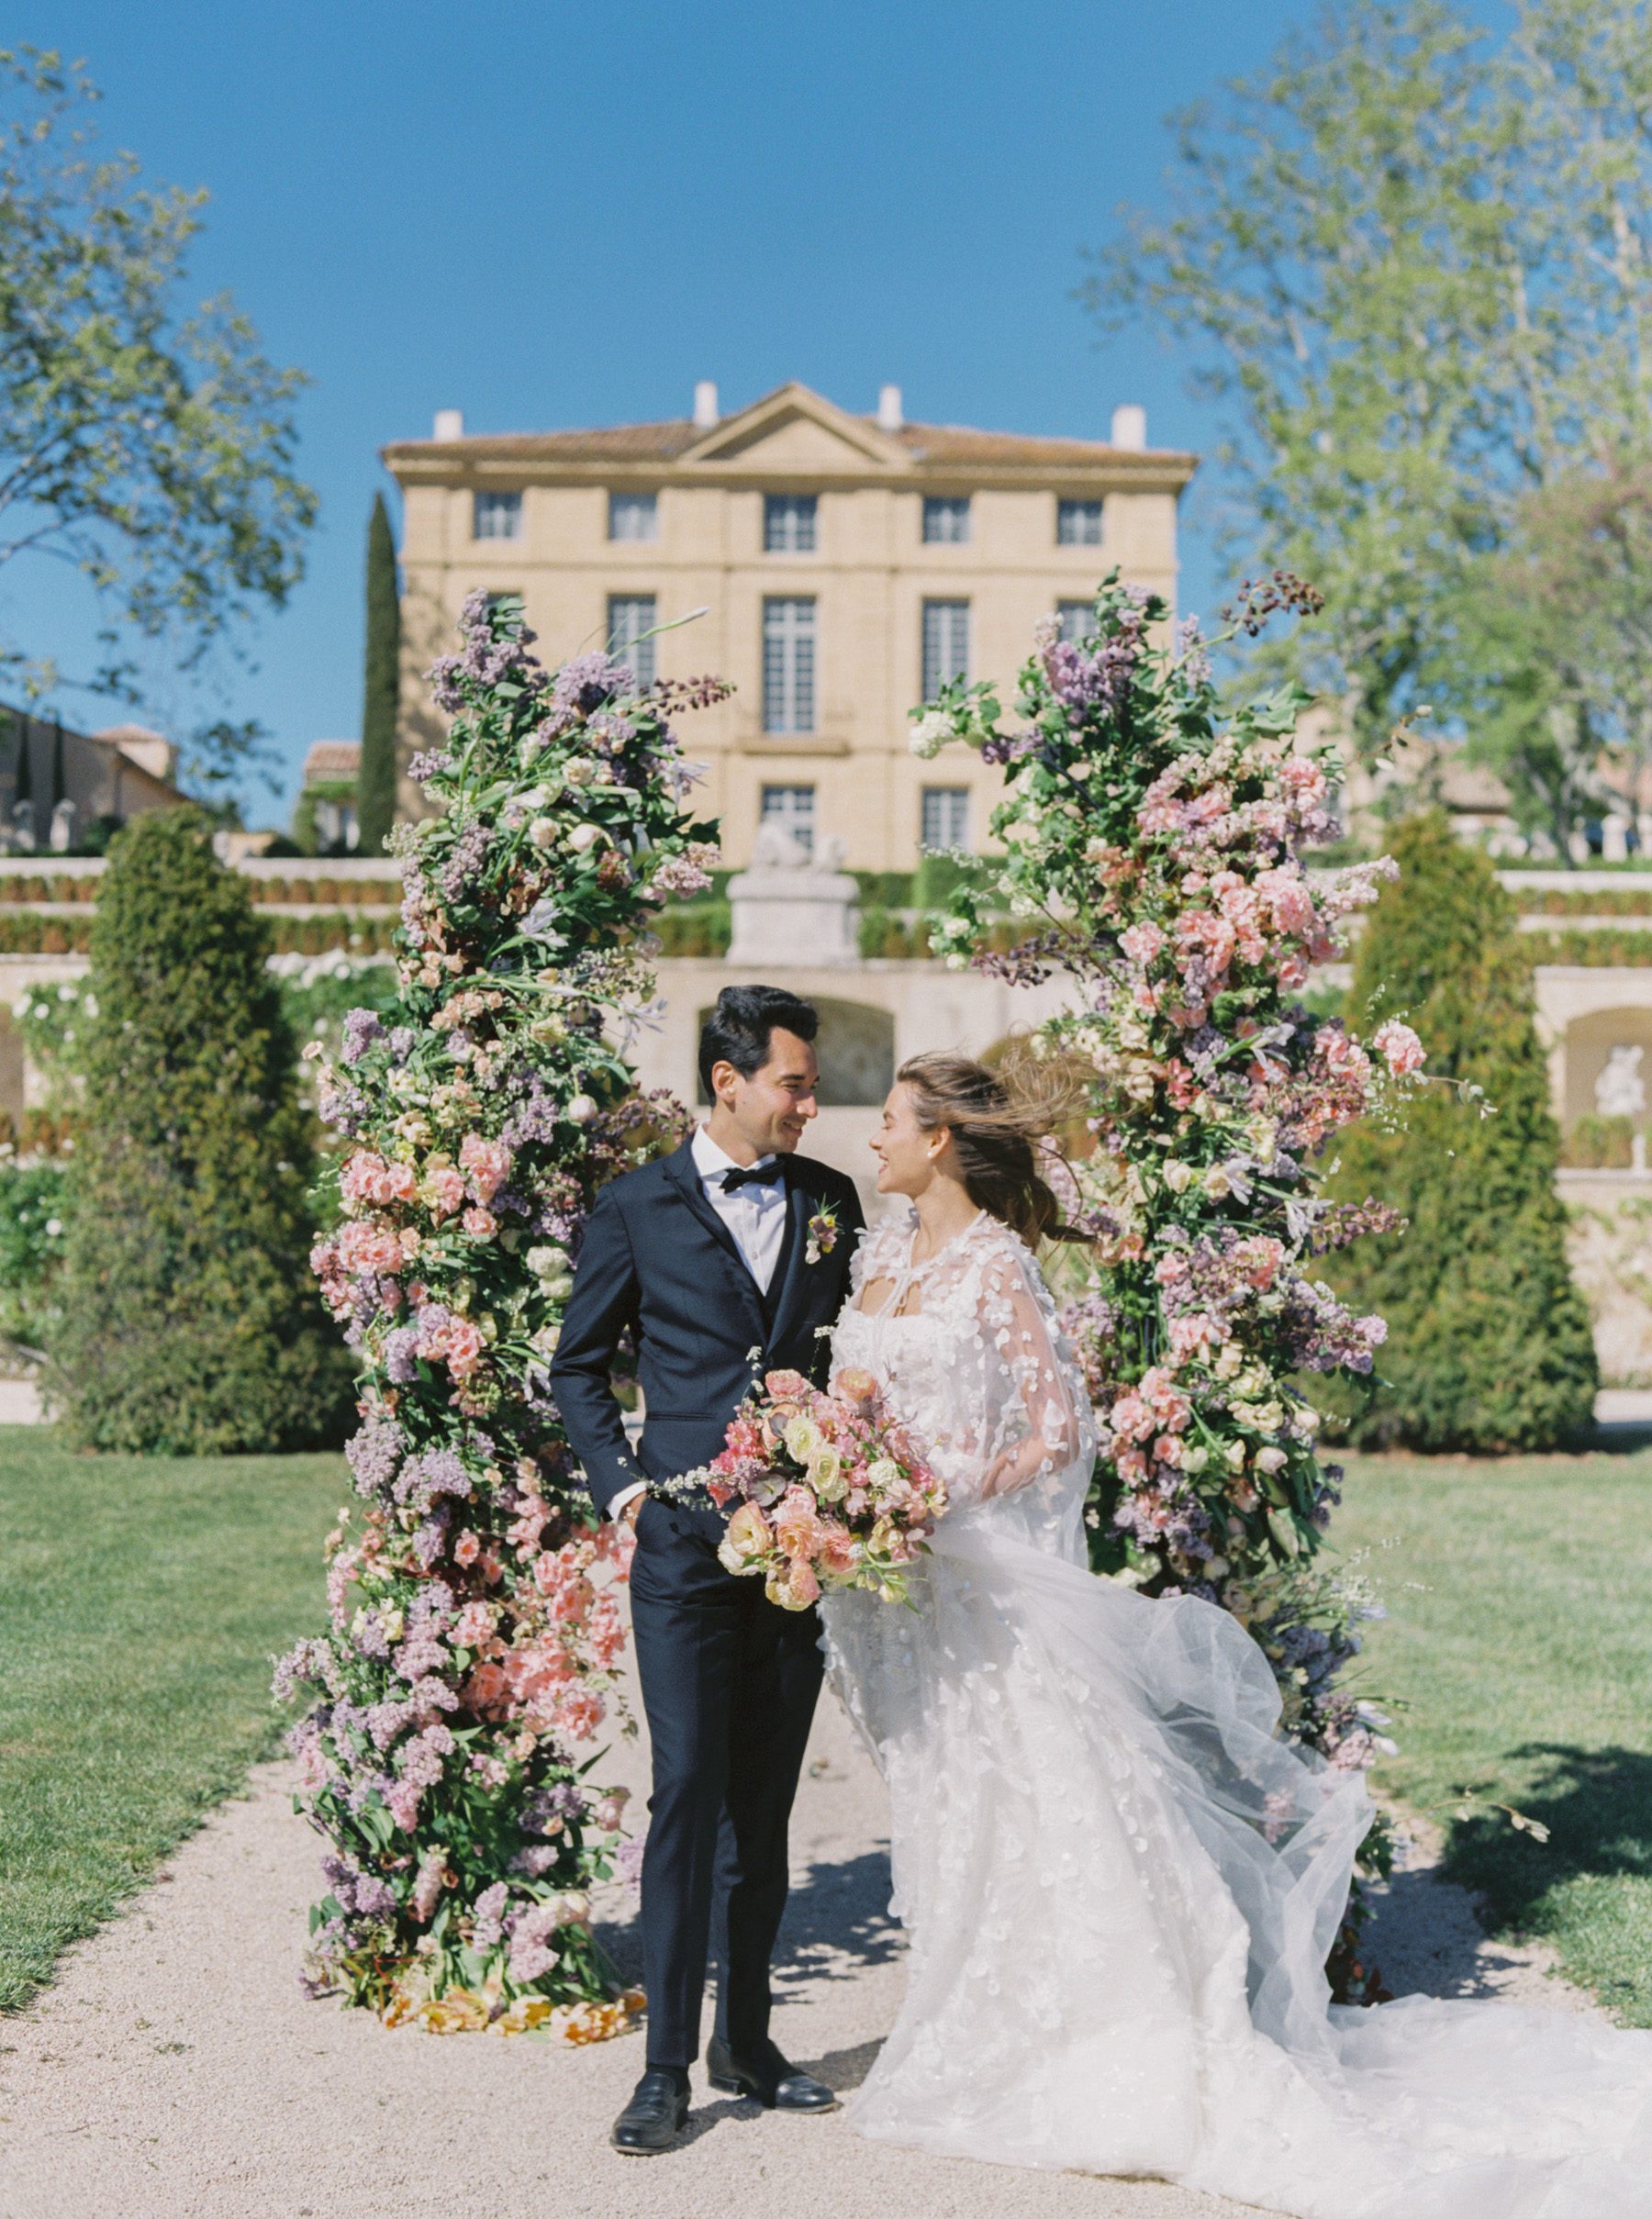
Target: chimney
1129 426
704 405
450 424
889 418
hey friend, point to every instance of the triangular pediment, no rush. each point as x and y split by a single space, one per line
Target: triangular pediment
794 428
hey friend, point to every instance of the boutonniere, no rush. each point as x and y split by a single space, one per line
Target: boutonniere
823 1231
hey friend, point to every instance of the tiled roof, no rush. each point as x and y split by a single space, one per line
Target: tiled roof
332 759
664 443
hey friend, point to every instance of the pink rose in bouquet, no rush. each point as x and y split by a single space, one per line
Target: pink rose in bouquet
830 1491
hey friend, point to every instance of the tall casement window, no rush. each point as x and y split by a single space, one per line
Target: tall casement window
630 615
793 808
633 516
788 523
945 644
1077 619
946 519
789 663
1077 523
944 820
496 516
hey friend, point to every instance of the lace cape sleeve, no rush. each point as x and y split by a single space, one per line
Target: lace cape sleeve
1045 1424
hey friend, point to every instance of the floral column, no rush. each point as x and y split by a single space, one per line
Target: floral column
468 1665
1154 847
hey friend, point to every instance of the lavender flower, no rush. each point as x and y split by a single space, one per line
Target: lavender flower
373 1453
361 1028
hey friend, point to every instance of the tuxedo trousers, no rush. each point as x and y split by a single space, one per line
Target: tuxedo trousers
729 1687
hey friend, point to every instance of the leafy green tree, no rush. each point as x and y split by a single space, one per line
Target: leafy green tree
148 447
375 786
1488 1342
1416 265
189 1319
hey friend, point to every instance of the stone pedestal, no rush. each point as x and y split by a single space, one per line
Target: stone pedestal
792 908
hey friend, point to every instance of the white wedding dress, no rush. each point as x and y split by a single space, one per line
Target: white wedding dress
1119 1884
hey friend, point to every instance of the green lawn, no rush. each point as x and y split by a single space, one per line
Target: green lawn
141 1601
1520 1642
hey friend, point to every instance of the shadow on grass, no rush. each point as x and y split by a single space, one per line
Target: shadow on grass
1597 1806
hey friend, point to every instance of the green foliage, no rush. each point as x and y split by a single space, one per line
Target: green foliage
33 1209
375 792
1513 1656
694 928
1489 1341
189 1323
141 1600
149 448
1415 263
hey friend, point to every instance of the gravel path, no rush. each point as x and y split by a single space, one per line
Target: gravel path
175 2072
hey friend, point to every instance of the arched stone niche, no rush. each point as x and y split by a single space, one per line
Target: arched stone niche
1589 1041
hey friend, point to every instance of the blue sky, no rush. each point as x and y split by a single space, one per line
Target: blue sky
561 214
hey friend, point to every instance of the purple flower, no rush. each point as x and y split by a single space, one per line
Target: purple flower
373 1451
361 1028
401 1355
466 862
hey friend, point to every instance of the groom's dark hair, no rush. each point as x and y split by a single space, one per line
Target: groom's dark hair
738 1030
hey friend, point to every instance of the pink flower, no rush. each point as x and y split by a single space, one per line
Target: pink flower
797 1522
475 1622
480 1223
578 1713
1141 942
1400 1048
488 1163
1132 1419
467 1548
367 1247
463 1348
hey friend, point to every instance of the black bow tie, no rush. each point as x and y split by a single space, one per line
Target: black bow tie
759 1174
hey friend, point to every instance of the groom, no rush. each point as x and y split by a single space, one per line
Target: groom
727 1258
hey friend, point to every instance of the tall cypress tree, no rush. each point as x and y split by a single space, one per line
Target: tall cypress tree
375 781
24 788
190 1321
1489 1340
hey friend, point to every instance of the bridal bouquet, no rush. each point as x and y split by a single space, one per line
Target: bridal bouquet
831 1492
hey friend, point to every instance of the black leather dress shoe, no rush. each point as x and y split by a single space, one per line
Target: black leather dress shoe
766 2074
653 2118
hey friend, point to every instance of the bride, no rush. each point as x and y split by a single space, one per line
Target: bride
1120 1883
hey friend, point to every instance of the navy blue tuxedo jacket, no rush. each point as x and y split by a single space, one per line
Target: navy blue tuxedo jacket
658 1261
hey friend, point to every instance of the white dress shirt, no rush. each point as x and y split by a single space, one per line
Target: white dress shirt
755 1216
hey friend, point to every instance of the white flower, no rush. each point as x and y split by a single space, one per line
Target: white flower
930 735
1178 1176
542 832
585 836
582 1109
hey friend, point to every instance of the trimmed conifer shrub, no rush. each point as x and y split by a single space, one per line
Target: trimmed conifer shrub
375 779
1489 1344
189 1319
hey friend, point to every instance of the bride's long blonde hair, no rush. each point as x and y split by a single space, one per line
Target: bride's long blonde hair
996 1119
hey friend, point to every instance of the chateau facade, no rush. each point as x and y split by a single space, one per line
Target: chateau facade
846 566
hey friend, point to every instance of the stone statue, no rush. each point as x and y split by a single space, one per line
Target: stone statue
792 907
775 849
1621 1091
61 835
23 827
